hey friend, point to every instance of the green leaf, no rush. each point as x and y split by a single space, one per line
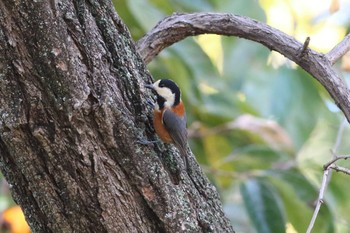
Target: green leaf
263 205
303 188
337 195
247 8
194 5
253 157
296 103
145 13
299 197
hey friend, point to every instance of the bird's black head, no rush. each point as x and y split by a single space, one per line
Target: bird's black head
168 93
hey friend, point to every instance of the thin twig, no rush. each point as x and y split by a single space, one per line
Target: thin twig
340 169
339 136
336 158
339 50
305 46
327 172
319 200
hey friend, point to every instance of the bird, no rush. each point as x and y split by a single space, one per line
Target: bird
169 116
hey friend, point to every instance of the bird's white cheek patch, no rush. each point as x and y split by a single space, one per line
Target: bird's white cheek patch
156 107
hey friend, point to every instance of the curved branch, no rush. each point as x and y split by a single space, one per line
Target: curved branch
339 50
179 26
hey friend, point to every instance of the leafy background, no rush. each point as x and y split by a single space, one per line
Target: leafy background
260 127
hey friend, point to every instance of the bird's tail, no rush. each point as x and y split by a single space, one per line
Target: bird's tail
184 155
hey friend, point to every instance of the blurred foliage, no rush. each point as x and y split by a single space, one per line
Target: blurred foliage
261 127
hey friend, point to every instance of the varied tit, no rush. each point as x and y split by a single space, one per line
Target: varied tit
169 117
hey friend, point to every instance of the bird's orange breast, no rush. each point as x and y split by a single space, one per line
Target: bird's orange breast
159 125
179 109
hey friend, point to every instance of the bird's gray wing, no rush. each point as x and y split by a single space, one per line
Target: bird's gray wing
176 127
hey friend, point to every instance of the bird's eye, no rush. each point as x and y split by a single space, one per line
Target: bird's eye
161 85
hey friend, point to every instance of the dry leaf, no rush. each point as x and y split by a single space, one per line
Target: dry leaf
345 62
334 7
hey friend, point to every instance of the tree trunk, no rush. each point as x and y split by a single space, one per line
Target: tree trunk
72 107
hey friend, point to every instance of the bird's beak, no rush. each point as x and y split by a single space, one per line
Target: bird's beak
150 86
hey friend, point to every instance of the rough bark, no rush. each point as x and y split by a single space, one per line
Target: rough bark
71 110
